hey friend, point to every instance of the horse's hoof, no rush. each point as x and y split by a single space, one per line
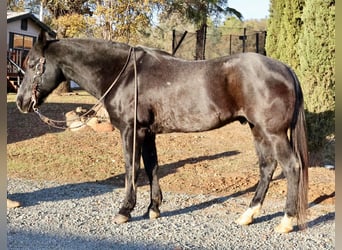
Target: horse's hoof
120 219
153 214
283 229
247 217
285 225
12 204
244 220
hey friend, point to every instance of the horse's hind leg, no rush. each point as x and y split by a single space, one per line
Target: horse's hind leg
289 163
149 154
267 165
273 148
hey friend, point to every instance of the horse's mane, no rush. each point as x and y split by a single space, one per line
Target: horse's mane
154 52
96 41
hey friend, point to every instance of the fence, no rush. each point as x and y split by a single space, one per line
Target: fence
218 44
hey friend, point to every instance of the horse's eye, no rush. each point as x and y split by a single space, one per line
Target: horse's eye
31 64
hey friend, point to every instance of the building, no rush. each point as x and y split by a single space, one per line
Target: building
22 31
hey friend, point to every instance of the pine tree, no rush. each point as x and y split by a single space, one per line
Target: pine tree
273 28
316 48
283 29
291 25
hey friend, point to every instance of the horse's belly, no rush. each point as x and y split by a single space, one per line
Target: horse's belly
188 122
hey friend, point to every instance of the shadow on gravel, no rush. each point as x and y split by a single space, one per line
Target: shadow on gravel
37 240
321 219
268 217
207 204
315 222
166 169
64 192
88 189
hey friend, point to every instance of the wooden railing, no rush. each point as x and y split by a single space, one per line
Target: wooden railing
15 73
15 60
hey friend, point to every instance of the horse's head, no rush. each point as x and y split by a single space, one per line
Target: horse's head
42 76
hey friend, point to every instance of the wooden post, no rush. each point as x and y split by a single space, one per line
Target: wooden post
176 45
173 40
244 40
257 42
200 42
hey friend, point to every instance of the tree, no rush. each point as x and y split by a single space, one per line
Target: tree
317 73
283 30
123 20
60 8
273 28
159 35
198 12
291 26
71 25
302 34
16 5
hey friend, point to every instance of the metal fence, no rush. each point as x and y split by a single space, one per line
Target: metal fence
216 45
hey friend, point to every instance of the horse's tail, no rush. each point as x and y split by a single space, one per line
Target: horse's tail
298 139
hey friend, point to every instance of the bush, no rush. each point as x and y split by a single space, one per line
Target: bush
302 34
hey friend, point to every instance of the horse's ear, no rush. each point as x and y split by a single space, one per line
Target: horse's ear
42 38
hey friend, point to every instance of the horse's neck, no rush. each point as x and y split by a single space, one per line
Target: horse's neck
92 66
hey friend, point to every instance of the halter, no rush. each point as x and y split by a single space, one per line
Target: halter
59 123
36 77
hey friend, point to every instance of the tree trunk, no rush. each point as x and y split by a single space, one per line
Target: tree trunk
200 42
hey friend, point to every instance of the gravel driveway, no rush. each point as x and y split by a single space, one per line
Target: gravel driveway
79 216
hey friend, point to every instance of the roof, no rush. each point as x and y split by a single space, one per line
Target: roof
15 16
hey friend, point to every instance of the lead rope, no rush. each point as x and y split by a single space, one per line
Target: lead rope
54 123
135 118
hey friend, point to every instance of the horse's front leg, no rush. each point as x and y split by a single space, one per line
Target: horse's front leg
149 154
131 175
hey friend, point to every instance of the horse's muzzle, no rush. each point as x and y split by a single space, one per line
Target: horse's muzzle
24 106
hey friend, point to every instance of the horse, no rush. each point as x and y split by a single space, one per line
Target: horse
148 91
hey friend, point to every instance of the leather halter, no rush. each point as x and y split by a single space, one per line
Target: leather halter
36 81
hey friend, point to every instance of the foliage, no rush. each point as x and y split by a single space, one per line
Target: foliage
123 20
71 25
283 29
160 34
302 34
198 13
16 5
273 26
289 32
60 8
317 70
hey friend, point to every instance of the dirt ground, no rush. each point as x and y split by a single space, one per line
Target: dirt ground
220 162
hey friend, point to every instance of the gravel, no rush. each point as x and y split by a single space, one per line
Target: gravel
80 216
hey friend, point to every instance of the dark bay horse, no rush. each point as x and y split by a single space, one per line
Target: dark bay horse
175 95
